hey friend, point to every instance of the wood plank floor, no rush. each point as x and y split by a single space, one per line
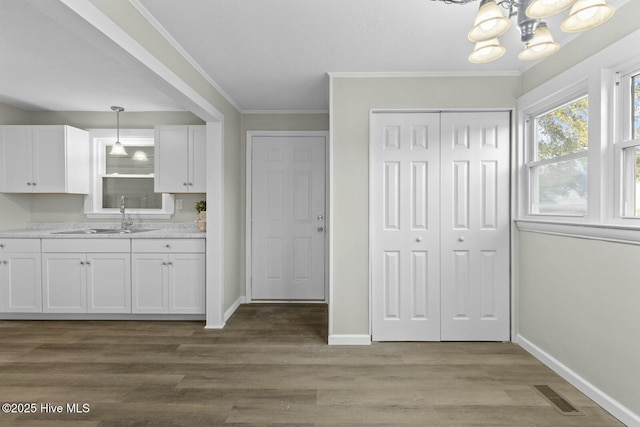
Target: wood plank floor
270 366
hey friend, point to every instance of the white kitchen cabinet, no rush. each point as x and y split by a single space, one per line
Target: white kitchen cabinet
20 279
180 159
86 275
44 159
168 276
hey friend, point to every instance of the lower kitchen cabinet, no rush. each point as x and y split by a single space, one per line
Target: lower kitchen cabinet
20 279
168 276
88 281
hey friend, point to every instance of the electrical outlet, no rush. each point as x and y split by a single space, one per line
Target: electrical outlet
178 204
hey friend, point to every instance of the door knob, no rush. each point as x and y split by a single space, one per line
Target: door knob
320 218
418 239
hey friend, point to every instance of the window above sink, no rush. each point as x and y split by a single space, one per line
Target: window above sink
130 175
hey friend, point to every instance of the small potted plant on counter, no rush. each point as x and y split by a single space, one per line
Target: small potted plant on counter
201 209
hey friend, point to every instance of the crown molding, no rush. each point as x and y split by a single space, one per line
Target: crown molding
285 111
394 74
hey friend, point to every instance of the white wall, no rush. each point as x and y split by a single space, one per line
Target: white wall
577 298
352 100
578 302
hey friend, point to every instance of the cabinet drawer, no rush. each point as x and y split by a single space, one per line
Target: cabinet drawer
19 245
167 245
86 245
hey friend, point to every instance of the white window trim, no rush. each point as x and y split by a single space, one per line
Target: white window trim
622 140
603 221
92 203
528 147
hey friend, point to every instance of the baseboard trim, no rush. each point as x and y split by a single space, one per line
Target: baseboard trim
233 308
615 408
349 339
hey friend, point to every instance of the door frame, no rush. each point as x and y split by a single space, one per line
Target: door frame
247 211
513 153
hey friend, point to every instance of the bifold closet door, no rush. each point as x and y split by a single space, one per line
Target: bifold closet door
475 226
405 229
439 226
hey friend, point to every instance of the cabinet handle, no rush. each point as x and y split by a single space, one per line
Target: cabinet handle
185 184
164 263
34 183
191 183
1 245
88 262
28 183
81 262
168 246
5 262
169 263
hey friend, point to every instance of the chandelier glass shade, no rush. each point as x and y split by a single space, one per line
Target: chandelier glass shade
487 51
491 23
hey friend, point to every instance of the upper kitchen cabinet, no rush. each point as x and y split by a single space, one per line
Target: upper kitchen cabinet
44 159
180 159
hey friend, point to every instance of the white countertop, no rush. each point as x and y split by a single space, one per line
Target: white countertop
168 230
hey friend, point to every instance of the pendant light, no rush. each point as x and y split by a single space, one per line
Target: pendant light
117 149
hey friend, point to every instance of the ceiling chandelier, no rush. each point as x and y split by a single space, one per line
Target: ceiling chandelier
491 23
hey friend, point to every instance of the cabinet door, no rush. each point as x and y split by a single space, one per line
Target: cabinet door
22 282
49 154
187 283
64 283
109 283
171 159
149 285
16 159
198 159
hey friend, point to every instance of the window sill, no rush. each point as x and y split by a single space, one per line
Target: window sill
606 232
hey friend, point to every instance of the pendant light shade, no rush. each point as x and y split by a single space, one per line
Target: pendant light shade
117 149
541 46
544 8
490 22
487 51
587 14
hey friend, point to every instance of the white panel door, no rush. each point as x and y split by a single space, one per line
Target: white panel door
405 229
288 217
475 226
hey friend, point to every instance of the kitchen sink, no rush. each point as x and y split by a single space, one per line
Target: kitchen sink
104 231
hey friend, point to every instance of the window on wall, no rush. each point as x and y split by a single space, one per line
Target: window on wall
558 168
130 176
629 148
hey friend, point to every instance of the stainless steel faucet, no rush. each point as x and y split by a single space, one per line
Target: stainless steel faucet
125 222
